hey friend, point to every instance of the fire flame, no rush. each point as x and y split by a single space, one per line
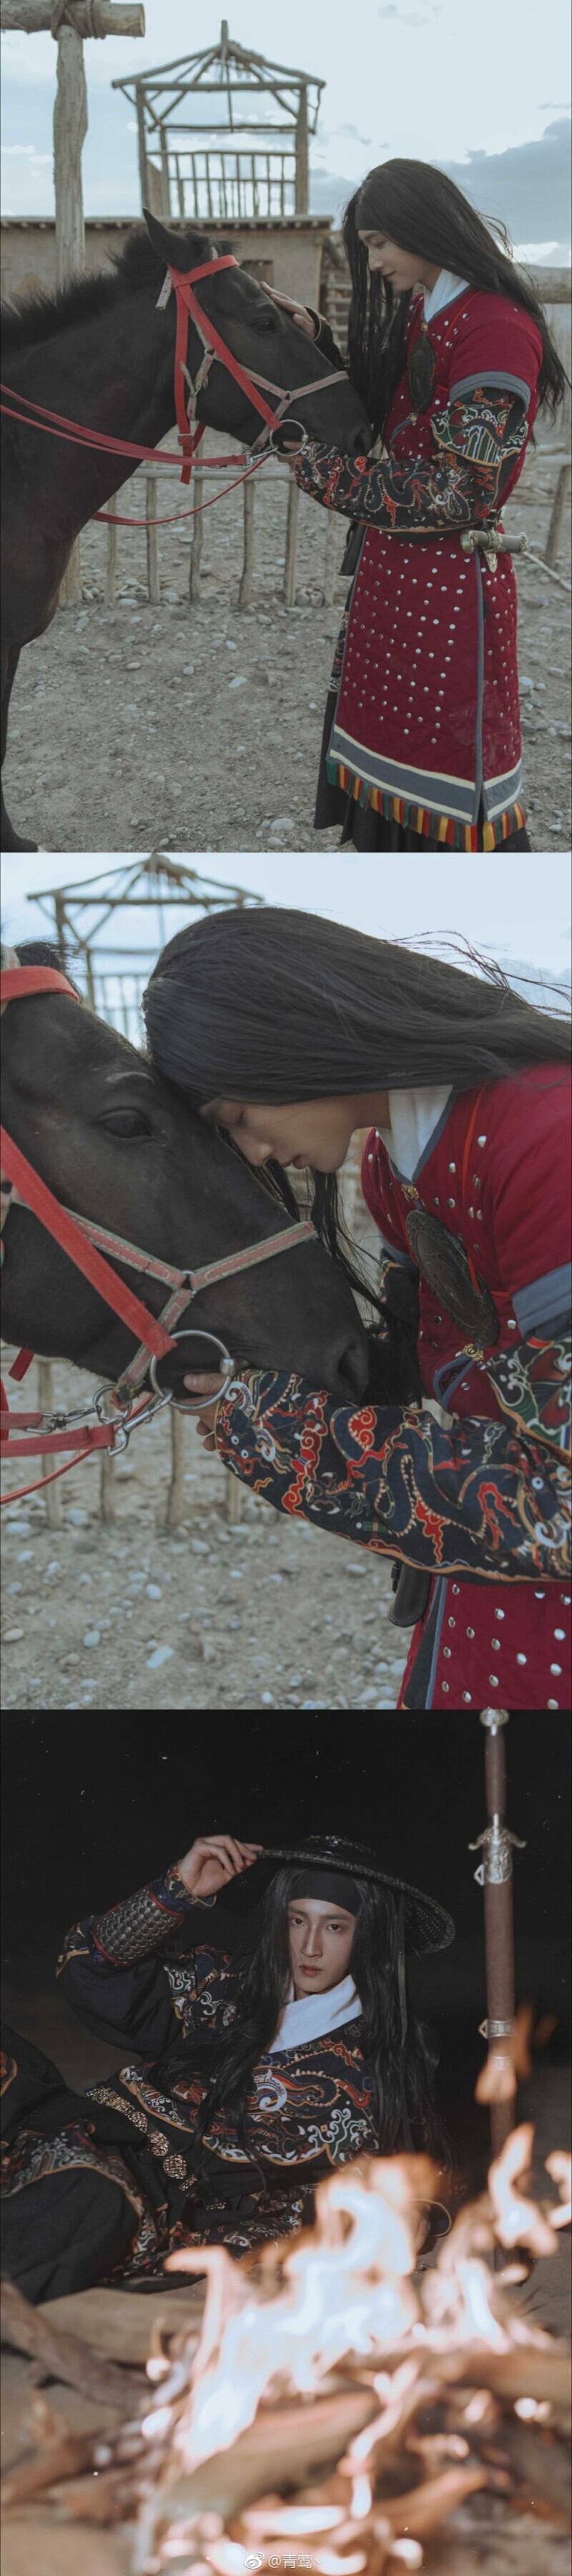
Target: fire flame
345 2292
416 2369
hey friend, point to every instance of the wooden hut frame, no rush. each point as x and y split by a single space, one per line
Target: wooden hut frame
181 174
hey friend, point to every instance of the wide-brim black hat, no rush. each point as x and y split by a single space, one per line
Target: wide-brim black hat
427 1926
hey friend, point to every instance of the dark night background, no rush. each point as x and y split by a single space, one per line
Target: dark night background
88 1814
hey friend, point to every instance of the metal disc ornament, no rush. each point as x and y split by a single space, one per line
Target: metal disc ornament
443 1263
421 372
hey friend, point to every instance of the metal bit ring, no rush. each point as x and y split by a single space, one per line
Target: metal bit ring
194 1403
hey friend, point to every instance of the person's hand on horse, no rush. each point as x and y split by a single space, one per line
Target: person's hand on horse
299 312
213 1860
289 448
205 1382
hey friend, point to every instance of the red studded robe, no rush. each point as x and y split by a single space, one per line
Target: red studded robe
426 722
478 1499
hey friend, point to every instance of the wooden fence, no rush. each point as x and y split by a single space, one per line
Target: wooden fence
150 488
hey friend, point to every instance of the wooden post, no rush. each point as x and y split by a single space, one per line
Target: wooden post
91 994
141 143
111 558
70 591
233 1498
197 544
153 583
70 129
165 175
107 1488
175 1505
59 909
245 589
301 192
89 17
82 18
53 1497
289 590
331 546
557 513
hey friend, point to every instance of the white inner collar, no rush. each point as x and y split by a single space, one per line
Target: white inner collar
413 1115
307 2016
443 292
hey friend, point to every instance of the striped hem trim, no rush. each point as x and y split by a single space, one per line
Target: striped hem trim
431 827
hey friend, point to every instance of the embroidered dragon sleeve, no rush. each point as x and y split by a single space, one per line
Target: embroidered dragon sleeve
478 1496
477 444
532 1384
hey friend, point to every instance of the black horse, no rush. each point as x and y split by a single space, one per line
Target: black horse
100 352
116 1143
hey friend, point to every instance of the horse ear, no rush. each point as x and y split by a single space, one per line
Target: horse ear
171 248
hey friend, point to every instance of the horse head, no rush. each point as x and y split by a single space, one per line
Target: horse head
265 341
116 1144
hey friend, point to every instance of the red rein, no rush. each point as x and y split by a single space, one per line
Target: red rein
37 415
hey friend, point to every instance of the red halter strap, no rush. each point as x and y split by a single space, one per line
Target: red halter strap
80 1238
189 309
15 982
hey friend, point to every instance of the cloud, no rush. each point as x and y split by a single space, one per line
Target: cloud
15 151
352 132
527 186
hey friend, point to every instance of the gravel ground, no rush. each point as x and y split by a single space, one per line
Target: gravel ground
128 1615
182 768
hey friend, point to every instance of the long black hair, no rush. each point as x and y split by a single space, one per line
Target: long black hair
275 1005
423 210
261 1987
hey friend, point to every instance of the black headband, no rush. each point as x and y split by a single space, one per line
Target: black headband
331 1884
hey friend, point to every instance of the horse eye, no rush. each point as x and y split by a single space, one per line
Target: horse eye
126 1122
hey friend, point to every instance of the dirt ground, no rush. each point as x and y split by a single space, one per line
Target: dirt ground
144 749
129 1615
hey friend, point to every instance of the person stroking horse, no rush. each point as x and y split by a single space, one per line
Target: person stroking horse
117 1145
113 354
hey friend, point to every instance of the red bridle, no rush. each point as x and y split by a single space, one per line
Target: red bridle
189 309
33 415
87 1245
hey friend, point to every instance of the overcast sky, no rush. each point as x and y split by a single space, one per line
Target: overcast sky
430 79
519 912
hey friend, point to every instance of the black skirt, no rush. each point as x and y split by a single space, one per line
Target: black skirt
365 827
